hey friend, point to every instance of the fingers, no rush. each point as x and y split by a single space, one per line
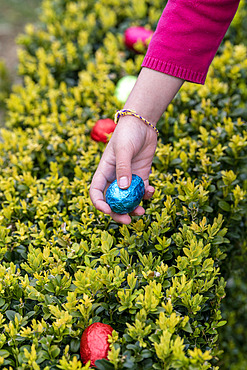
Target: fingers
139 211
98 202
102 206
122 219
149 192
97 187
126 219
123 166
116 162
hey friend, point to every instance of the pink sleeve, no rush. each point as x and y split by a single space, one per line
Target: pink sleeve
187 37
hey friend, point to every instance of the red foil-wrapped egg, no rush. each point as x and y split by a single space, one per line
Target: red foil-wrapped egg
134 34
101 128
94 342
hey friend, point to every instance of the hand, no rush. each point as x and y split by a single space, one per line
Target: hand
130 150
133 143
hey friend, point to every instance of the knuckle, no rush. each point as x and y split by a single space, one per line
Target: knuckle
121 166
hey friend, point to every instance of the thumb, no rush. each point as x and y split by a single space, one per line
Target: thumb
123 167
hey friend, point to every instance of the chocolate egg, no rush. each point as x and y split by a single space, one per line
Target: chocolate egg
125 200
101 128
124 87
94 342
137 34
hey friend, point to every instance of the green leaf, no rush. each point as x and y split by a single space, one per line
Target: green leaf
236 217
42 356
156 367
175 161
11 315
50 288
207 209
30 314
61 242
166 284
171 271
221 323
54 351
146 353
104 365
212 188
147 364
75 345
188 328
224 205
4 353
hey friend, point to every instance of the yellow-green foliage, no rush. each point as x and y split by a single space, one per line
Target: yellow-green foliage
4 83
158 282
239 27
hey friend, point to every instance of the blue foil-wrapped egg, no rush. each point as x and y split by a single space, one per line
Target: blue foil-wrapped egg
125 200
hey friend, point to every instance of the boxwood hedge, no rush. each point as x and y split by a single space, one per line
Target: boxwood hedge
5 83
160 281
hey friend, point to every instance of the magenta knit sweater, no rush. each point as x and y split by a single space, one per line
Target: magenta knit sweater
187 37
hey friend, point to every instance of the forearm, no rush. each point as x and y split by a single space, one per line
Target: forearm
152 94
187 37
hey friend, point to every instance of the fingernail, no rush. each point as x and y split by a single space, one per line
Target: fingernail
123 182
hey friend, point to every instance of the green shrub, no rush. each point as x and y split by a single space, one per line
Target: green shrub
4 83
237 31
158 282
72 31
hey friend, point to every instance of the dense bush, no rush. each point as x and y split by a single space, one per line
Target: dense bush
159 281
4 83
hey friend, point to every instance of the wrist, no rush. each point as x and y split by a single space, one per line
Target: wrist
132 113
152 93
147 113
